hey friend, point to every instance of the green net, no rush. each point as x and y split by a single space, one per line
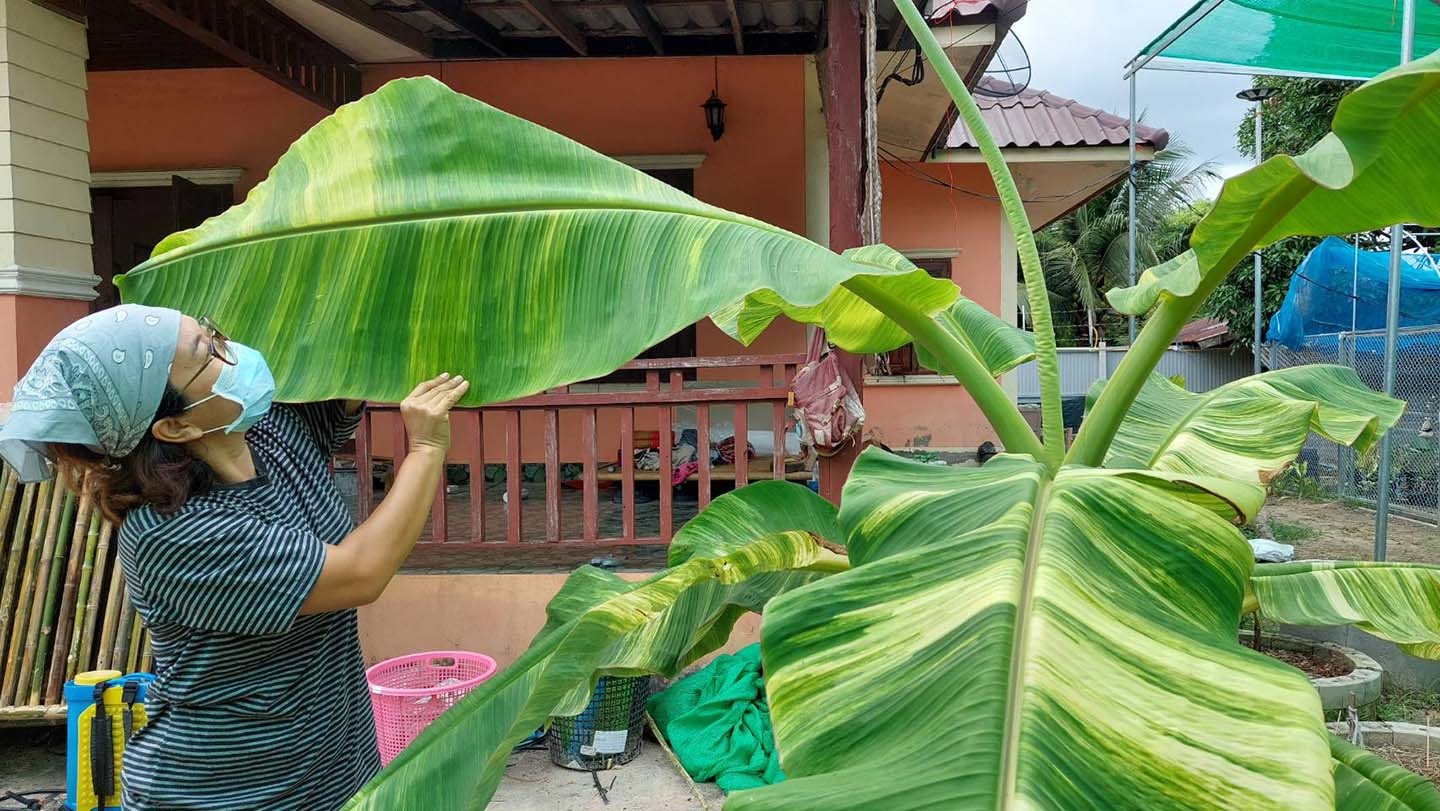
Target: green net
1354 39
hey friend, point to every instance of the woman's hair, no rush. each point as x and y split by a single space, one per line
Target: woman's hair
161 474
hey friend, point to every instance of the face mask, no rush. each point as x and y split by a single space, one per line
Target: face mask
247 383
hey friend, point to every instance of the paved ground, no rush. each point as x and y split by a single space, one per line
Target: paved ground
35 759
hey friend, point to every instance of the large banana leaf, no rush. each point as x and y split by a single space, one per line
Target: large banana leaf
1376 168
1364 781
731 559
1249 429
999 345
1013 640
1395 601
419 230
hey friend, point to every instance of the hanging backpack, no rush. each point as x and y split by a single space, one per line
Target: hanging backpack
827 407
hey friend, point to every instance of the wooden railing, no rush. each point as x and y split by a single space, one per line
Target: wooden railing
583 438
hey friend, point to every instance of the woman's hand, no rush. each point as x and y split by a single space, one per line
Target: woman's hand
426 411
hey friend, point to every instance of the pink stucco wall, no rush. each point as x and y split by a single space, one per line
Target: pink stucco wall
919 215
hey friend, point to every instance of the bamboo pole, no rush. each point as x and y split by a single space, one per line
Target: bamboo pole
12 567
147 658
20 620
61 646
137 628
117 603
82 595
92 603
11 484
52 594
121 636
40 585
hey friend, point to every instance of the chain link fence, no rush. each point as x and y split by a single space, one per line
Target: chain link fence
1327 469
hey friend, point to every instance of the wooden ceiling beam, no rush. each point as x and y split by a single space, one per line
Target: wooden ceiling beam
556 21
648 26
269 43
458 14
735 30
385 25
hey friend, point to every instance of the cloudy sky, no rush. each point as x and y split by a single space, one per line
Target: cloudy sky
1078 49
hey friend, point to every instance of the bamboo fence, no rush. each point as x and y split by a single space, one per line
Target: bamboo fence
63 607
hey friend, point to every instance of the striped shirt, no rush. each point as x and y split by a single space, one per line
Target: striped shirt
253 706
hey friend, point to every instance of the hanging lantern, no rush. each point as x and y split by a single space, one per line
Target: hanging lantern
714 115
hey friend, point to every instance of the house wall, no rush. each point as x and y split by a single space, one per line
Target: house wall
919 215
494 614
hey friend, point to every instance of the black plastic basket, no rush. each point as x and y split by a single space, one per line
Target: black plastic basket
608 732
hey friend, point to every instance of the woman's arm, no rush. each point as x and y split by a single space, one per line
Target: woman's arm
359 568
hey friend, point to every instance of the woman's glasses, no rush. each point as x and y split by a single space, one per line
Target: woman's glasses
219 349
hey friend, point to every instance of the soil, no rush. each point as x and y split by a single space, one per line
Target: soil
1342 532
1315 668
1412 759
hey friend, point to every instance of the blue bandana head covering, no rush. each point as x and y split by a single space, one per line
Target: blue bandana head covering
98 383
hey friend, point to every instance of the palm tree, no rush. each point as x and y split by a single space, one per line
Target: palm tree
1086 252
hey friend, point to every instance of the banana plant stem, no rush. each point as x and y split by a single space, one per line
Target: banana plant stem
1046 361
1103 421
1015 434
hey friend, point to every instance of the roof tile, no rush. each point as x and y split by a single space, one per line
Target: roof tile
1037 118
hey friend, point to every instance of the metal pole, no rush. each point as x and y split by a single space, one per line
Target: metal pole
1131 218
1259 158
1392 323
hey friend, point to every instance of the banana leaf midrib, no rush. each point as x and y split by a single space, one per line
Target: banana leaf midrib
1010 742
187 252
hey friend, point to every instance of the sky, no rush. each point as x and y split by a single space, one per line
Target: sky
1078 49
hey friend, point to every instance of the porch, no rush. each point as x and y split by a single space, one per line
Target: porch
601 470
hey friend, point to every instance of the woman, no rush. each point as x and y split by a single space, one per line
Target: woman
236 547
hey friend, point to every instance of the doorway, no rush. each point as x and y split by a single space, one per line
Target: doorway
127 222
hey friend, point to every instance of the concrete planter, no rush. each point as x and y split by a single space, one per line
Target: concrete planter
1392 733
1363 682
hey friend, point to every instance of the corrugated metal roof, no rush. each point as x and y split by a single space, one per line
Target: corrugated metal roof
1204 332
611 18
1038 118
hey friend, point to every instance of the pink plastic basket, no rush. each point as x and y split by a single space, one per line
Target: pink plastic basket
408 692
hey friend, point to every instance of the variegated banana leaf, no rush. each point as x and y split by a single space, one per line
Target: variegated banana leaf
1376 168
1395 601
731 559
1364 781
1012 639
1249 429
999 345
418 230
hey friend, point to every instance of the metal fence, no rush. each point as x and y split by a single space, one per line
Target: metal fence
1332 470
1203 369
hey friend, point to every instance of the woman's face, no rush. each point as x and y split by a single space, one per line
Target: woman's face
193 373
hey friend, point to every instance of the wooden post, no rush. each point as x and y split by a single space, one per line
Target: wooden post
842 87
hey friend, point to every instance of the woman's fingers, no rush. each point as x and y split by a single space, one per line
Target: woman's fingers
446 394
430 385
454 393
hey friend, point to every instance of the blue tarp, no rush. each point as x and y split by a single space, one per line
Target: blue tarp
1319 302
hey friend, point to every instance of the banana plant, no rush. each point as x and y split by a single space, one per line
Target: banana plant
1055 630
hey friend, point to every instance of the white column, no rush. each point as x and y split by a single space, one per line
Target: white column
817 160
1009 296
44 155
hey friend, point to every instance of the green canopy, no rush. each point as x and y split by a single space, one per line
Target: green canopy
1336 39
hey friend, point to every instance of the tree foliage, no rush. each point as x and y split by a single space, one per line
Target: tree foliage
1086 253
1294 121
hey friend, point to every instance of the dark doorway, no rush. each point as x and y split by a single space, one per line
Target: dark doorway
128 222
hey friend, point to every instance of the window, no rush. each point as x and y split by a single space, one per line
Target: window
904 361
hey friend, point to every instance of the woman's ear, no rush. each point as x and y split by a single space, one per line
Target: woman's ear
175 430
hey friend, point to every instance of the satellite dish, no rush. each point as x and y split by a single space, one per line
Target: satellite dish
1009 70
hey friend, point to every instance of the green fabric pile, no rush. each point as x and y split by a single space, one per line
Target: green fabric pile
718 722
